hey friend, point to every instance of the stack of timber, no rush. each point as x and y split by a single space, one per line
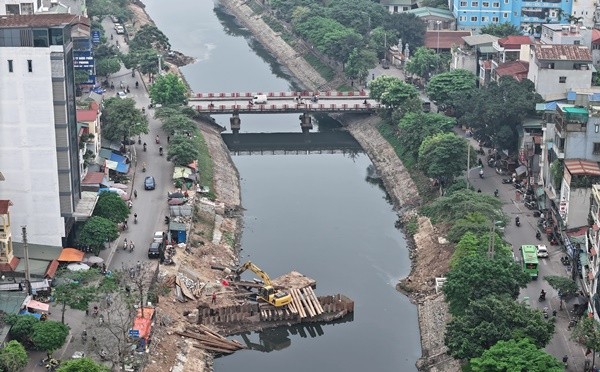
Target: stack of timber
212 341
270 313
305 302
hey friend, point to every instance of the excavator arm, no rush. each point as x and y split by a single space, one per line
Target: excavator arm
257 270
268 293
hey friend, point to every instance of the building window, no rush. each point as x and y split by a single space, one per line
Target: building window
562 79
462 19
505 15
596 148
485 4
597 128
484 19
29 65
26 8
473 19
463 3
495 5
12 9
495 19
577 42
10 65
475 3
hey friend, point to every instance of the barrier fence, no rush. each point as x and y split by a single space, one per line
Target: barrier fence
222 95
286 108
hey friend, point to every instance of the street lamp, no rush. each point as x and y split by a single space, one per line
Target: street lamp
438 35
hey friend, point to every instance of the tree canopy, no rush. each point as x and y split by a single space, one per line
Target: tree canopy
103 8
587 333
177 123
122 120
501 275
76 290
13 357
150 37
107 66
515 355
476 243
144 60
460 204
111 206
359 63
423 62
96 232
443 156
491 319
501 29
168 89
49 335
82 365
442 86
330 37
410 28
22 328
414 127
182 150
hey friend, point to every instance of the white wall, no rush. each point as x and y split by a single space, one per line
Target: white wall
28 157
585 9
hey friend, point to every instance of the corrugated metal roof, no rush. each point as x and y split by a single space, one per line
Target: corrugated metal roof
41 20
582 167
480 39
563 52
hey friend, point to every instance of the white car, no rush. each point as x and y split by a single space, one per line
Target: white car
542 251
158 237
119 29
122 94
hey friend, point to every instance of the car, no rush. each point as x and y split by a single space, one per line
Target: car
149 183
154 250
121 94
158 237
114 19
542 251
120 29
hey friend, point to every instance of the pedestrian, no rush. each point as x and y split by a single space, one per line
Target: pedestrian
214 298
479 191
135 193
168 139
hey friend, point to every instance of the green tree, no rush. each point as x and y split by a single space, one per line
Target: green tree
82 365
380 40
330 37
150 37
382 84
103 8
122 120
443 156
587 333
414 127
475 223
440 4
178 123
501 30
76 290
13 357
81 76
112 207
400 95
566 287
96 232
410 28
460 204
22 327
359 63
442 86
423 62
360 15
464 281
182 150
107 66
515 355
168 89
49 335
143 60
491 319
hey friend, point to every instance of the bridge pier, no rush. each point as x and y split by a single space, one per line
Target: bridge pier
236 122
305 123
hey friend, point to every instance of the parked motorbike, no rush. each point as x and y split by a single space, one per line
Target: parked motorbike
517 222
531 205
160 151
538 235
545 312
168 261
542 296
565 260
506 181
144 146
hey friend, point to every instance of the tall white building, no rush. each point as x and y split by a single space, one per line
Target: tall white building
38 126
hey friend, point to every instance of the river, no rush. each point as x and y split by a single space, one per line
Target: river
316 214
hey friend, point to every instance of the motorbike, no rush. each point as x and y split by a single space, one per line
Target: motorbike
531 204
545 312
144 146
137 85
131 247
565 260
125 244
538 235
168 261
496 193
542 297
84 336
135 218
160 151
157 140
167 220
517 222
481 174
506 181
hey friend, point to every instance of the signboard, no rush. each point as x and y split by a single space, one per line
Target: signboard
83 60
91 80
134 333
96 37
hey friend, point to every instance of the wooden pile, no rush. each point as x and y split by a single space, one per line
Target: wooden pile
305 302
212 341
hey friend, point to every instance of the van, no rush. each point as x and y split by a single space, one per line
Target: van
259 99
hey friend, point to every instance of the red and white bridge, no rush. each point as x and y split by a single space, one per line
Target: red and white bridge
284 102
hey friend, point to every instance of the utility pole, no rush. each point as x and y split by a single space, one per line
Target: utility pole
492 241
468 162
26 249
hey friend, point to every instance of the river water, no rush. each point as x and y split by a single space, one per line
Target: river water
316 214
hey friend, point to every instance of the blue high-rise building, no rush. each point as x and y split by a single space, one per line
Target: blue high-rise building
474 14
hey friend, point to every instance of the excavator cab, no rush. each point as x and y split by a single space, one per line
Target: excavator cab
267 293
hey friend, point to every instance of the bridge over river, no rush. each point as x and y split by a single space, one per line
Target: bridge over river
305 103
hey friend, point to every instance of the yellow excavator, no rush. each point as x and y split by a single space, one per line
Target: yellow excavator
267 292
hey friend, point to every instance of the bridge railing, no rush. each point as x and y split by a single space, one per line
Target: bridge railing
321 107
275 95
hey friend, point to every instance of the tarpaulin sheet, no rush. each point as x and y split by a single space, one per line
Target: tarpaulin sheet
36 305
71 255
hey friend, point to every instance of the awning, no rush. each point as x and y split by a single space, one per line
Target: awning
71 255
36 305
521 170
51 270
114 161
182 172
144 325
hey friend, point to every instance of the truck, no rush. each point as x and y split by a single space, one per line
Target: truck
259 99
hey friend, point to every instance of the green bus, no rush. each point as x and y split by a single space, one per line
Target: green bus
530 260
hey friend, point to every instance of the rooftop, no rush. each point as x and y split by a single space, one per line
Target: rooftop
397 2
514 41
474 40
4 204
563 52
87 115
444 39
40 20
516 69
582 167
595 36
432 12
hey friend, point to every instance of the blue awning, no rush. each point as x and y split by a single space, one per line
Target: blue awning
122 165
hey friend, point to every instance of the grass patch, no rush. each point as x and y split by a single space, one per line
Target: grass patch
412 227
205 165
346 88
325 71
228 238
274 24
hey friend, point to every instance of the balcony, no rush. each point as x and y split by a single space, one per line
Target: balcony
571 119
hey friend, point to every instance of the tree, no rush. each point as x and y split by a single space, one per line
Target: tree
112 207
361 15
13 357
49 335
460 204
80 365
399 95
380 40
359 63
144 60
182 150
168 89
77 290
587 333
122 120
566 287
475 223
440 4
96 232
330 37
501 30
515 355
150 37
81 76
443 156
410 28
107 66
382 84
103 8
442 85
22 328
177 123
501 275
414 127
423 62
491 319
